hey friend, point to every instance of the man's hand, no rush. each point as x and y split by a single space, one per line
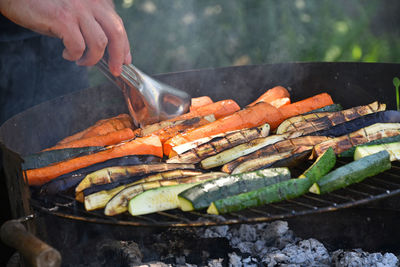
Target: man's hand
86 27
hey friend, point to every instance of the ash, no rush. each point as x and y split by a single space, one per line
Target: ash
264 244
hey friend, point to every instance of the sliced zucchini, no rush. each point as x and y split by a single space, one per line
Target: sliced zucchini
392 148
353 172
350 153
200 196
322 165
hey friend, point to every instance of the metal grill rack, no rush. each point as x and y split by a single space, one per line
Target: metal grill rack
382 186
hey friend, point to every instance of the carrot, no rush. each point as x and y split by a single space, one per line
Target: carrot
149 145
246 118
280 102
199 102
111 138
306 105
272 94
219 109
102 127
169 132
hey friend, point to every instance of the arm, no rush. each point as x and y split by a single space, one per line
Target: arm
86 28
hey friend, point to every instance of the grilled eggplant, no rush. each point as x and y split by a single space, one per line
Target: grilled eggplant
98 196
308 125
70 180
218 144
119 203
243 149
284 159
279 147
110 174
362 136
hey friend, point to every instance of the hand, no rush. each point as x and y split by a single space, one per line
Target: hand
86 28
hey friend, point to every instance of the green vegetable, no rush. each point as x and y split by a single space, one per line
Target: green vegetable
392 148
329 108
353 172
200 196
350 153
322 165
396 83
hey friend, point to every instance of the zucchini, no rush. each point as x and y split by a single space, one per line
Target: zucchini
119 203
328 108
353 172
44 158
392 148
216 144
244 149
322 165
350 152
273 193
200 196
158 199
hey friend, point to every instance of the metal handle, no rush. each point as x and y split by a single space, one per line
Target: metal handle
34 251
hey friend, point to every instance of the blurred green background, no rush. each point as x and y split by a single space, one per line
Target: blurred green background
169 36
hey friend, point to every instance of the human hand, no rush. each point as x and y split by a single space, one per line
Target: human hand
86 27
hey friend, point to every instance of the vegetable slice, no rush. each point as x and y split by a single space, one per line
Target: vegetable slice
392 148
353 172
350 152
200 196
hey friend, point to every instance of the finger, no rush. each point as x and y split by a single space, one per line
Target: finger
95 40
128 56
117 39
74 43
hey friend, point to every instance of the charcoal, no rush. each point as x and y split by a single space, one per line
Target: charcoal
235 260
215 263
358 257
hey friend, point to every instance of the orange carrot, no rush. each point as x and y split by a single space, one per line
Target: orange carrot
199 102
246 118
102 127
272 94
280 102
111 138
219 109
306 105
149 145
166 133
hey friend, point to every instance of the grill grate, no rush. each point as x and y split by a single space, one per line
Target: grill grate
384 185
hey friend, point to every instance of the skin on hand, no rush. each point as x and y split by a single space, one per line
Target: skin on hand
86 27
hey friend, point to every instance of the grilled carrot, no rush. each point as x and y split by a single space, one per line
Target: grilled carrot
306 105
246 118
280 102
272 94
149 145
111 138
219 109
102 127
199 102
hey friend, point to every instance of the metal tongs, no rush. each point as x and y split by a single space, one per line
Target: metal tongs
148 100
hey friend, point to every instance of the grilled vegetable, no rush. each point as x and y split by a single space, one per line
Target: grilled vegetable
353 172
200 196
289 124
271 95
243 149
269 194
200 101
322 165
362 136
392 148
150 145
99 196
279 147
44 158
111 138
284 159
364 121
329 108
119 203
159 199
102 127
218 144
350 152
326 121
112 174
70 180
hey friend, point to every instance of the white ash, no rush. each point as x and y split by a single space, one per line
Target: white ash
357 257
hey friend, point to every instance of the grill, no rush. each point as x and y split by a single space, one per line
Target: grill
372 189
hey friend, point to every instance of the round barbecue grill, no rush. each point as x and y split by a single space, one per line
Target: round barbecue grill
349 84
